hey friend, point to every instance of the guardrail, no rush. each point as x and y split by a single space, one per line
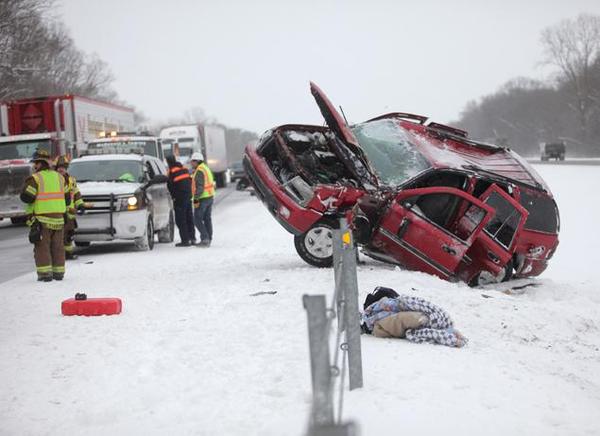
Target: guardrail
324 371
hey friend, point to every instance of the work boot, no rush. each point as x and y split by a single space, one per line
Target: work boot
183 244
44 278
56 276
204 244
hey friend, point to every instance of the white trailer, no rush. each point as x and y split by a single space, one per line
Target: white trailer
184 140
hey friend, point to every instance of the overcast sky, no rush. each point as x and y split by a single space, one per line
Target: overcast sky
249 63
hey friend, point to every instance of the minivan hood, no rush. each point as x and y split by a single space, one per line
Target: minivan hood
106 188
357 163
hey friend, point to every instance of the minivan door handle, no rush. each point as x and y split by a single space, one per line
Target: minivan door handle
403 227
451 251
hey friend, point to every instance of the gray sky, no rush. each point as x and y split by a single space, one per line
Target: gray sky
248 63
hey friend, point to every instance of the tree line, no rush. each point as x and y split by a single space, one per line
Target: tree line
38 57
525 112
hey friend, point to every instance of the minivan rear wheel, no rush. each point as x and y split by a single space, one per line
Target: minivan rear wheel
315 246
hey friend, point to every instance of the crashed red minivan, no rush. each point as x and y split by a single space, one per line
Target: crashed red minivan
420 195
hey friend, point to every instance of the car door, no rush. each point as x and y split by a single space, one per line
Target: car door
160 196
421 230
506 225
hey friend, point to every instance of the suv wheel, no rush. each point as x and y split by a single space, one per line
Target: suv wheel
315 246
168 233
146 242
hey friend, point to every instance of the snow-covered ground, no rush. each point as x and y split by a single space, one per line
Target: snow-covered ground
195 353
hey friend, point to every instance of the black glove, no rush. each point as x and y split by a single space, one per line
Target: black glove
80 209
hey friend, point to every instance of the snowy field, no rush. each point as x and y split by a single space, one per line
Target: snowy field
193 353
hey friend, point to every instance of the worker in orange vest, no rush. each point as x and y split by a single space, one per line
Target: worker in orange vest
180 188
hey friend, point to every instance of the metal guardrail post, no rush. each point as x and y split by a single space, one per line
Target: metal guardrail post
351 312
338 294
318 337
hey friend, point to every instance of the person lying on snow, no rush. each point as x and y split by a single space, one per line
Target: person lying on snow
390 315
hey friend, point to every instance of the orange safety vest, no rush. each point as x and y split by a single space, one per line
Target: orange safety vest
184 173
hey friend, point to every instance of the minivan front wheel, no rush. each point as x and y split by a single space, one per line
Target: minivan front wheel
315 246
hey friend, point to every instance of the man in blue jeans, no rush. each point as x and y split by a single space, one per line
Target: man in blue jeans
203 192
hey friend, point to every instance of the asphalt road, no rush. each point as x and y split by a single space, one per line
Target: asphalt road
16 253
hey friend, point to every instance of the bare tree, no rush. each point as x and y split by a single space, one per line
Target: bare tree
574 47
39 57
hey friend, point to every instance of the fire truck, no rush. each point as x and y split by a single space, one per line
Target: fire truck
60 124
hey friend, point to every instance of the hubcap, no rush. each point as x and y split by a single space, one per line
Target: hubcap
319 242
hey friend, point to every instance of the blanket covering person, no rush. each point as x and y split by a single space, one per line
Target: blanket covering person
412 317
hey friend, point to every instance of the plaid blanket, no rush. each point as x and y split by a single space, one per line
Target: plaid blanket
438 330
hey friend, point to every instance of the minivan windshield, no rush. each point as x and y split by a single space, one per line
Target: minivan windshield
107 171
393 157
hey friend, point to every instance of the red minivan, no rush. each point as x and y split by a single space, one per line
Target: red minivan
420 195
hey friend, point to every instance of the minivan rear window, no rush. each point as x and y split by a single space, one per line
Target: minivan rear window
543 213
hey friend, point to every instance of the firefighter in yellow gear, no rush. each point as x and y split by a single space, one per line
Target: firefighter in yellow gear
61 165
46 200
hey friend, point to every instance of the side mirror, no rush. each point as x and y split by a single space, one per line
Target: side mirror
159 178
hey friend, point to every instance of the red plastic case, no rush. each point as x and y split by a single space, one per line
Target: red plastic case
91 306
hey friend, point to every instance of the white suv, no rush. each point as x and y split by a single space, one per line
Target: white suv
126 198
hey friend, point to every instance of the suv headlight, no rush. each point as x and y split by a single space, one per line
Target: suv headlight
130 202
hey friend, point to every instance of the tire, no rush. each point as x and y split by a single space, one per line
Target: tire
315 246
82 244
168 233
220 180
146 242
241 184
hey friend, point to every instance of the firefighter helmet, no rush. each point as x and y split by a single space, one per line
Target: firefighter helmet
41 156
61 161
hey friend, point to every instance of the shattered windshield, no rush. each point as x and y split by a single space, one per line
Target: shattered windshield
393 157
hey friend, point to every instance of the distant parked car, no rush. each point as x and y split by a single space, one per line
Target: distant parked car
553 150
238 174
422 196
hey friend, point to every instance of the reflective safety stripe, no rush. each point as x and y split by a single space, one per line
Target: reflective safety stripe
45 196
51 223
31 190
58 269
181 177
44 269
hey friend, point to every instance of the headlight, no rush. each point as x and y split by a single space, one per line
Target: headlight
129 203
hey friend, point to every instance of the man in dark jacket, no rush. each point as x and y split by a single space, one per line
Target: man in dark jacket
180 187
